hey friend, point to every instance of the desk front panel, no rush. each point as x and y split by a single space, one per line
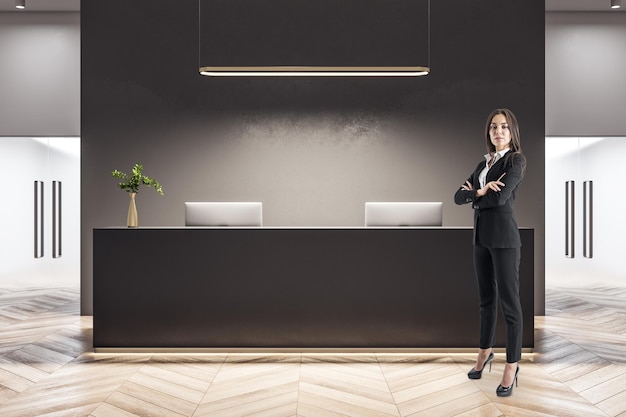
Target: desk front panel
296 288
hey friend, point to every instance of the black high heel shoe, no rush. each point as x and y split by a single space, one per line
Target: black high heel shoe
506 391
474 374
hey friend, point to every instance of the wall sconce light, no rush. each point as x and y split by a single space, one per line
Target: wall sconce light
314 37
616 4
20 4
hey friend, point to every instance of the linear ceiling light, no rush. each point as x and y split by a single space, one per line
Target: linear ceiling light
616 4
20 4
345 38
314 71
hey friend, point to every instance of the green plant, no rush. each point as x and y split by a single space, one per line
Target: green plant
132 183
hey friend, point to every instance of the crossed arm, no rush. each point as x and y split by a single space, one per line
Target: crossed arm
494 193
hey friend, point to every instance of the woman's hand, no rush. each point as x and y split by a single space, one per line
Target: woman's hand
467 186
491 185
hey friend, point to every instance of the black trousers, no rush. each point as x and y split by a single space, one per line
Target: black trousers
497 275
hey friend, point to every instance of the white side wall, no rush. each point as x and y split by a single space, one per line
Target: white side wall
24 160
39 74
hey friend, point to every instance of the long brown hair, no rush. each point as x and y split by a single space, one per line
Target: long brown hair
515 146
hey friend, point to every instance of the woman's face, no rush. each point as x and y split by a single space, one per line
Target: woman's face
499 132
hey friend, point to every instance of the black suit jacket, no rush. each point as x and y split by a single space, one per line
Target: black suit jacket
494 220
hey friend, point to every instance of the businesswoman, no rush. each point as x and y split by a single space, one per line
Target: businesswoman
491 190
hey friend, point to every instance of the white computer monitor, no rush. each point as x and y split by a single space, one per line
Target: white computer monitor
408 213
240 214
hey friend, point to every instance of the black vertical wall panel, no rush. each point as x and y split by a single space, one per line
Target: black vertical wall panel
312 149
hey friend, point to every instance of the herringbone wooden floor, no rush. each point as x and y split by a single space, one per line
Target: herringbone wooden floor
47 368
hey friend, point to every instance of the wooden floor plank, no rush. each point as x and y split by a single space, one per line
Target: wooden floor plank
108 410
212 403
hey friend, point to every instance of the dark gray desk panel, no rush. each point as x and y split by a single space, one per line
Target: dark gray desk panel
292 288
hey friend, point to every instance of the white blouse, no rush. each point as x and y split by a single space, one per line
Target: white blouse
482 178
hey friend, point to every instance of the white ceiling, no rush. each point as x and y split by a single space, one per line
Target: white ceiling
74 6
582 6
42 6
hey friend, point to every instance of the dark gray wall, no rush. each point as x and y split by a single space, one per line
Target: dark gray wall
313 150
585 84
39 74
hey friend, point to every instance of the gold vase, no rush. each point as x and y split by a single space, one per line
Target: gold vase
133 220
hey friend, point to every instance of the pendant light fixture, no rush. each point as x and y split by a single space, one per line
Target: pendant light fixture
314 37
20 4
616 4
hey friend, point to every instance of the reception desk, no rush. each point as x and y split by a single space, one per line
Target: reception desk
292 288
